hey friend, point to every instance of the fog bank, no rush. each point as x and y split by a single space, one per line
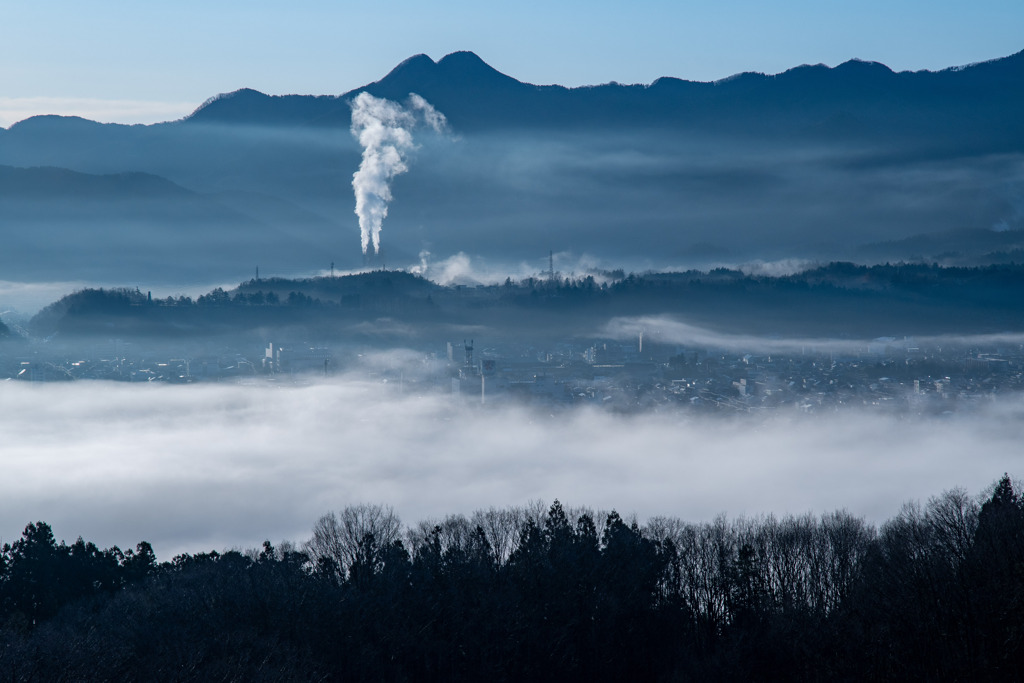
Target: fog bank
200 467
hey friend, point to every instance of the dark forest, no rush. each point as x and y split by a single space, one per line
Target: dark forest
518 594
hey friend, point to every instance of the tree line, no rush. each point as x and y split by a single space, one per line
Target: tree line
837 298
529 593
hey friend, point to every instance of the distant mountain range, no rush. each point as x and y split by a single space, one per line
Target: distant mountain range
954 247
68 221
815 162
978 105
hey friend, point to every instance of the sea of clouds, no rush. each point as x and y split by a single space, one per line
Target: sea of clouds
214 466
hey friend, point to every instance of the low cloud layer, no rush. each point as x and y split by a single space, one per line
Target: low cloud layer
670 330
202 467
463 269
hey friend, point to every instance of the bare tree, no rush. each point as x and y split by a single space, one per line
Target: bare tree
953 517
451 532
336 536
502 529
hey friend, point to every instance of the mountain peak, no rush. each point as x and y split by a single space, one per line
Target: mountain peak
244 98
414 60
461 85
421 72
864 66
248 106
47 120
467 65
463 58
413 68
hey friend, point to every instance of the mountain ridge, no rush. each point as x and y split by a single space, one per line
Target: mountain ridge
808 163
420 70
476 96
801 100
47 181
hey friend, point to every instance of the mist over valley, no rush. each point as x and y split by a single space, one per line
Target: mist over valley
215 466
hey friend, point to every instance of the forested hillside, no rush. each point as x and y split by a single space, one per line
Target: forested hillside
522 594
831 300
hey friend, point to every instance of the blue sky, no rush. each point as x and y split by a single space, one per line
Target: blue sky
139 62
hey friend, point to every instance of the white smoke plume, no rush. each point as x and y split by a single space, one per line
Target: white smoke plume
384 129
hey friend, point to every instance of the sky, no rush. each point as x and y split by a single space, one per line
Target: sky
130 62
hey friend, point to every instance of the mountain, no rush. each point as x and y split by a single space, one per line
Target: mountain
461 83
137 225
251 107
49 185
857 98
952 247
810 163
